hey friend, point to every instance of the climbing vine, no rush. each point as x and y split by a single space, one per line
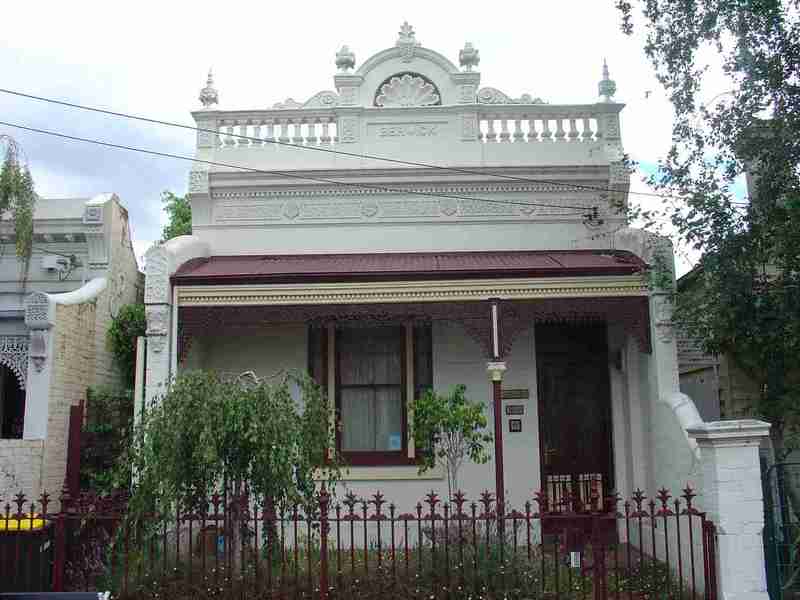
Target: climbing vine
126 326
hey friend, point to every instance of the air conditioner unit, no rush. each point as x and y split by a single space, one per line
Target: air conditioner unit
54 262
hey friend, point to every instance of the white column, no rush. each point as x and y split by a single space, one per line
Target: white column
731 495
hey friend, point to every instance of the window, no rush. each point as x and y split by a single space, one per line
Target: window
370 375
373 380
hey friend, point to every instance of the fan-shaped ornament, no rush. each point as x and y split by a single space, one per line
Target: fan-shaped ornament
407 90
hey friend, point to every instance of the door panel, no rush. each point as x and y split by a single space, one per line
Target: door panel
574 411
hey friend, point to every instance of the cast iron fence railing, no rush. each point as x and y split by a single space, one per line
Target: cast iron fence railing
660 547
781 488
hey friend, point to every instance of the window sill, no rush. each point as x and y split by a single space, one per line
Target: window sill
389 473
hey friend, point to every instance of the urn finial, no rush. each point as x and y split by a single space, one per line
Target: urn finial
606 88
345 59
469 57
208 95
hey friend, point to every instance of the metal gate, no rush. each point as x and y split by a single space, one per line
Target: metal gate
781 487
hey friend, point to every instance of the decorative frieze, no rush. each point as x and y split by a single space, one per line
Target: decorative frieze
14 355
156 289
39 311
387 208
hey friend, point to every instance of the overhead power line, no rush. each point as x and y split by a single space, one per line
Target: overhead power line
328 150
590 212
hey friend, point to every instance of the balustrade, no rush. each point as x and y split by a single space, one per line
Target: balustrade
522 126
278 129
503 123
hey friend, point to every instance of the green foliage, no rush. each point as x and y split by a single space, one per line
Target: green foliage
18 196
126 326
742 298
106 433
450 429
179 212
206 431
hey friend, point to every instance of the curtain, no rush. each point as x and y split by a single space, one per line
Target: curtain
370 384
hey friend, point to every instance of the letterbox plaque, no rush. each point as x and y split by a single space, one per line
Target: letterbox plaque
515 425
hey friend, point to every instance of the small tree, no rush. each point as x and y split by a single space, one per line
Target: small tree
17 195
254 439
179 212
450 429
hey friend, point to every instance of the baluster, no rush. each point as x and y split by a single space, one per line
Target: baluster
560 134
546 133
243 137
298 131
335 127
587 130
519 135
573 130
504 135
311 138
229 139
533 135
491 135
326 136
481 135
270 131
257 133
284 138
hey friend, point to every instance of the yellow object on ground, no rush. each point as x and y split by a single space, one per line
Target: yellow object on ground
29 522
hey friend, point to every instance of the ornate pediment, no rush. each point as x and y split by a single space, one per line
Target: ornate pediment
405 90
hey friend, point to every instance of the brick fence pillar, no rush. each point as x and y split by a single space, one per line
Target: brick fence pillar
731 495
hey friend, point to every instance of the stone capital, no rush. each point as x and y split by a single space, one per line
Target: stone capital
496 370
721 434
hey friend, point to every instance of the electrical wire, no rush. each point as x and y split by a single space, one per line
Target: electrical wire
343 152
323 149
590 212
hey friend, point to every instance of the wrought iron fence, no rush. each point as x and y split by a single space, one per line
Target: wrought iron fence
660 547
781 487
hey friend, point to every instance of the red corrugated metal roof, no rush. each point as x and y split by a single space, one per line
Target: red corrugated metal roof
412 265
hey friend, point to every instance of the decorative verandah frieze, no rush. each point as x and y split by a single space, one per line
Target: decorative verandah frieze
14 355
516 316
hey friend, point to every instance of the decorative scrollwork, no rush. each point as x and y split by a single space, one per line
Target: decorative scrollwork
14 355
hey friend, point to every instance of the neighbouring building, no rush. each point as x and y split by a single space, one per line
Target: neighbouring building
54 314
490 250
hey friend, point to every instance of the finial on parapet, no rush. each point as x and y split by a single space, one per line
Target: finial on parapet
208 95
345 59
469 57
407 36
606 88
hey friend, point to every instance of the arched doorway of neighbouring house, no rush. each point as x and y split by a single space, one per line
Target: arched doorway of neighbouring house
12 404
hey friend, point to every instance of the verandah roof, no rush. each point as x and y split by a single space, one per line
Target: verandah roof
412 265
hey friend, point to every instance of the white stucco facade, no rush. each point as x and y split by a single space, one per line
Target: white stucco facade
411 161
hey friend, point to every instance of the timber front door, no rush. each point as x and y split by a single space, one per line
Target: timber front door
574 413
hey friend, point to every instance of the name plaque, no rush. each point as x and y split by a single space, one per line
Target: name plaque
515 409
400 130
516 394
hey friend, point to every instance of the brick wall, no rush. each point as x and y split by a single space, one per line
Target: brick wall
73 368
125 285
20 468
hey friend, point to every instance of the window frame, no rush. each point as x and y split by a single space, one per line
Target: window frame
374 457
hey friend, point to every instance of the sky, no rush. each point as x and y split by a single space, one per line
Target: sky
151 59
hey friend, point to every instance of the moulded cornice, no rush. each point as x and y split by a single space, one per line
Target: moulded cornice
412 291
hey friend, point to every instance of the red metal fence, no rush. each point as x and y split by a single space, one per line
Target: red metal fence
658 547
